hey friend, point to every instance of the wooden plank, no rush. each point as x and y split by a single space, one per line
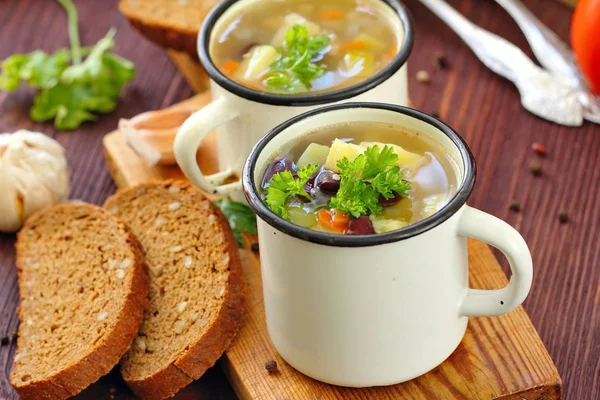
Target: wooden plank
191 69
499 358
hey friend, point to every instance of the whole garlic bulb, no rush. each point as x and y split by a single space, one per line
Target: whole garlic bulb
33 175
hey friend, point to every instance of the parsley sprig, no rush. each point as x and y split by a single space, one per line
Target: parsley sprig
370 175
284 185
71 89
295 70
241 218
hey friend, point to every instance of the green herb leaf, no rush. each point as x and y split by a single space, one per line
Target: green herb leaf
38 69
294 71
241 218
370 175
70 94
283 185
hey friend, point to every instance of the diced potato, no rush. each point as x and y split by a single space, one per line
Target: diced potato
256 63
432 204
314 154
340 149
301 217
404 157
401 210
358 63
387 225
370 42
291 20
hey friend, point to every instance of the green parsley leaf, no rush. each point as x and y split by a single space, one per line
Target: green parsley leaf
283 185
241 218
38 69
70 94
370 175
294 71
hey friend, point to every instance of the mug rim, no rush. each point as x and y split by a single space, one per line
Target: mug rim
337 240
203 43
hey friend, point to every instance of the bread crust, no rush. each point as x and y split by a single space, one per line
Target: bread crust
177 38
202 354
105 354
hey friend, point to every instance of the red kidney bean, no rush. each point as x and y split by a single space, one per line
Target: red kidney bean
389 202
309 186
360 226
276 167
328 181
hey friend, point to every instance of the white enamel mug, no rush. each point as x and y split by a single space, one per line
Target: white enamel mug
241 116
377 309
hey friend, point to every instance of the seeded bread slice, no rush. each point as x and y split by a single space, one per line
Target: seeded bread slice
196 290
83 292
173 24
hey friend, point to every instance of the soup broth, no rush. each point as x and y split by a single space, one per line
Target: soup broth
300 46
363 178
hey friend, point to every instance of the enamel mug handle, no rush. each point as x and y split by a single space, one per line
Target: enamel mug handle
188 140
487 228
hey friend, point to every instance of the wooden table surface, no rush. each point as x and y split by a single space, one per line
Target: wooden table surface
564 302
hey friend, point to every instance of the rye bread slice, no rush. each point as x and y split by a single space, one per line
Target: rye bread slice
173 24
83 291
196 291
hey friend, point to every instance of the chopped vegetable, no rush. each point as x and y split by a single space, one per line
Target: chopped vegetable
288 22
354 45
329 15
257 63
358 63
339 150
368 42
283 185
314 154
295 70
387 225
241 218
370 175
229 67
335 220
70 94
404 157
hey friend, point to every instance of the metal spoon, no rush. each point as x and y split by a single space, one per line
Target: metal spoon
553 54
547 95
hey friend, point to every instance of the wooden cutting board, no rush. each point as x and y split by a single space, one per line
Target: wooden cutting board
499 358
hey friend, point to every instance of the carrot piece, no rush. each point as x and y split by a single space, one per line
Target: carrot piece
229 67
329 15
392 52
337 221
355 45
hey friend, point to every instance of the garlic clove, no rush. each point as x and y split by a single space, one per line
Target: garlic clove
152 134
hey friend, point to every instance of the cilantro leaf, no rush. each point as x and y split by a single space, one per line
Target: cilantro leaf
370 175
283 185
241 218
295 70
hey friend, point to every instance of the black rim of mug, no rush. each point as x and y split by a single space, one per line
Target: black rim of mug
460 198
309 99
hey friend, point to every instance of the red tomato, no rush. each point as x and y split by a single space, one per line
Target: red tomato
585 39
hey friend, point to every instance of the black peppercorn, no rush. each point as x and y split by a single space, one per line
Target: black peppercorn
440 61
535 167
515 206
271 366
563 217
254 247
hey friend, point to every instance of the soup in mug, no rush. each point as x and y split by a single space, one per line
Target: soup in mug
360 178
300 46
